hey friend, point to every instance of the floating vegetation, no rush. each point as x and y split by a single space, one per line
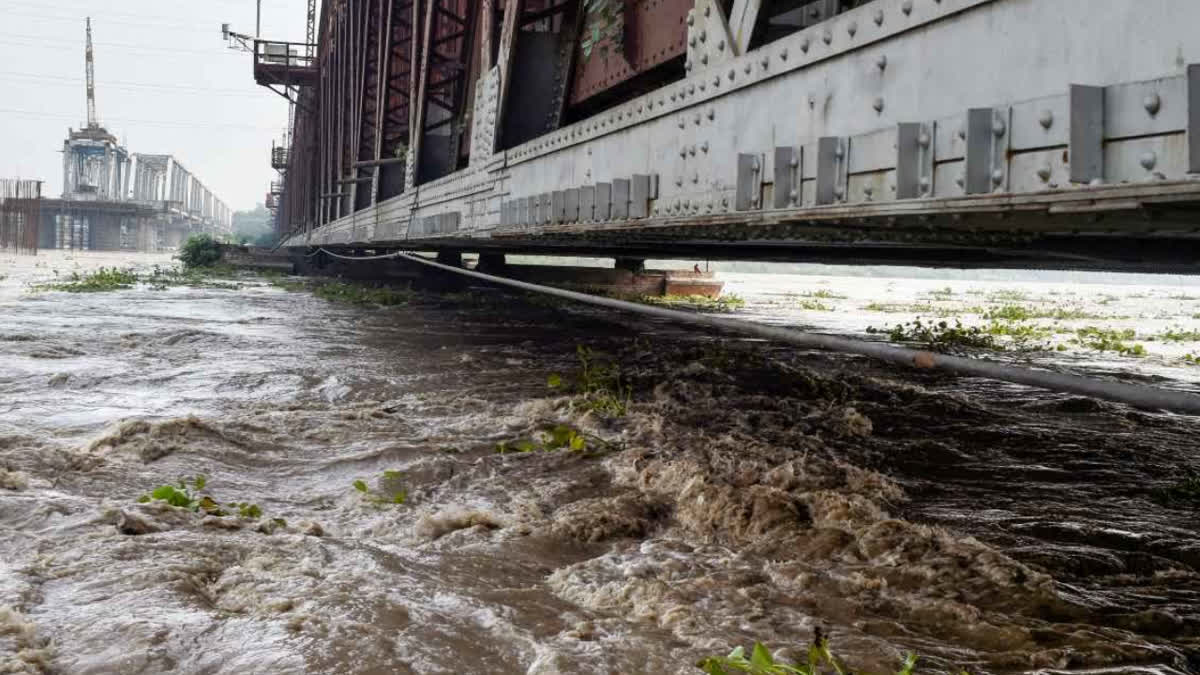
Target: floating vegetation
555 438
162 278
103 279
1183 296
1007 295
823 294
725 303
598 385
1023 336
1029 312
390 490
761 662
940 336
1109 340
1177 335
185 494
944 293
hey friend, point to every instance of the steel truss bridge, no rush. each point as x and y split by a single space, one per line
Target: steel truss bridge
1028 133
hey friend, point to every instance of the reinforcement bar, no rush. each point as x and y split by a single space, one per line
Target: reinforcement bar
1132 394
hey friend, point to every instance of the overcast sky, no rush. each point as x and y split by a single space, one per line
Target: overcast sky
165 83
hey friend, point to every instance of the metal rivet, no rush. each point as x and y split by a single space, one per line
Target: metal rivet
696 119
960 182
691 89
702 85
704 146
827 36
708 10
804 44
795 162
998 176
704 36
878 105
692 151
1044 173
906 7
852 28
747 68
879 17
793 196
732 74
692 41
681 123
924 140
839 152
999 127
1153 103
756 164
868 191
690 19
765 62
688 66
962 133
923 183
695 178
721 46
783 55
881 62
704 59
839 191
1046 119
717 81
683 152
1148 160
712 113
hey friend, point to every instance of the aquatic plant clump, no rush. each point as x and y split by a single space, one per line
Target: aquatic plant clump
200 250
940 336
103 279
762 662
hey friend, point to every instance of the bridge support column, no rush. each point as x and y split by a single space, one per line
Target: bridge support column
452 258
635 265
492 263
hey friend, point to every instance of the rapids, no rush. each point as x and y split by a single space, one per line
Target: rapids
751 492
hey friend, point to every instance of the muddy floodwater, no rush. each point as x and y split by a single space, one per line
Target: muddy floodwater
729 491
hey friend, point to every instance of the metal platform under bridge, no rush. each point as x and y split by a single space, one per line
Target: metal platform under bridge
1024 133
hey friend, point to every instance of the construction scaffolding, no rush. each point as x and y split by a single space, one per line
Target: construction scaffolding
20 215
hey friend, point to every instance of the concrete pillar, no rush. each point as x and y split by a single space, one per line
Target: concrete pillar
452 258
635 265
491 263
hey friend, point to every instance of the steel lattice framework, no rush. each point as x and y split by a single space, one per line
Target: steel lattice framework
782 129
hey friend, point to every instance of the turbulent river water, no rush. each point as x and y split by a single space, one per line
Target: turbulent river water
751 492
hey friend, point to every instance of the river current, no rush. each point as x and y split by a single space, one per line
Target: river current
749 492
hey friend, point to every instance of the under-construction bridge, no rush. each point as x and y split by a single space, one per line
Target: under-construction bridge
1030 133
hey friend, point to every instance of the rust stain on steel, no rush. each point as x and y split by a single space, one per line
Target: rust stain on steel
655 32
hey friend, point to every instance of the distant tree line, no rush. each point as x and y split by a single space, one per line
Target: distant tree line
253 227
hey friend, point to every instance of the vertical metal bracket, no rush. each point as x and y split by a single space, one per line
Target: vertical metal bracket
1193 117
545 212
603 202
987 147
833 166
914 160
639 196
506 213
572 212
620 199
587 203
1087 133
709 41
787 177
522 211
749 182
